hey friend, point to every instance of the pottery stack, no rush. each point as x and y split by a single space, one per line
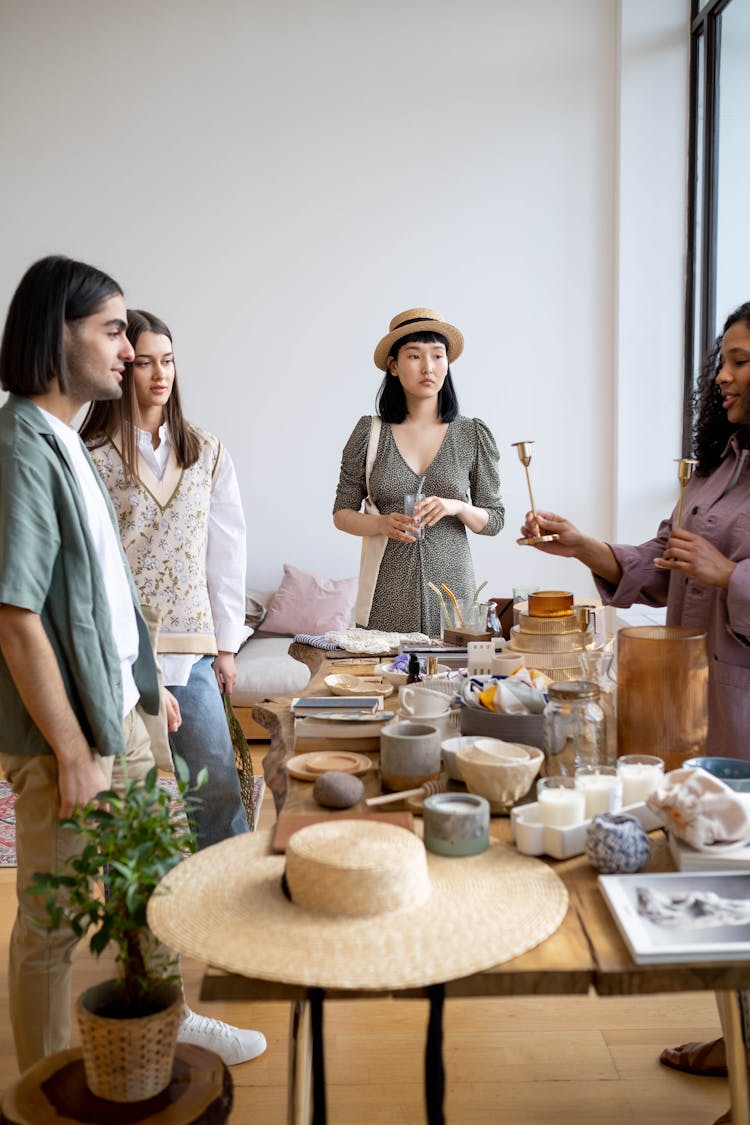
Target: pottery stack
552 633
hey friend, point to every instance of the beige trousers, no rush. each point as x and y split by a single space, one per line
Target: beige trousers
40 961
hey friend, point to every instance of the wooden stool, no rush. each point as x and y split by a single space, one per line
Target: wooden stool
55 1090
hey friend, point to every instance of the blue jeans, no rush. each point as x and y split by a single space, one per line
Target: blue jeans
203 740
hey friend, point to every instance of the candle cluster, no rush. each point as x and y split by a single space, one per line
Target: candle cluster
566 801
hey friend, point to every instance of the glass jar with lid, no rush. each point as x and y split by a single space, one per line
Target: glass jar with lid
574 728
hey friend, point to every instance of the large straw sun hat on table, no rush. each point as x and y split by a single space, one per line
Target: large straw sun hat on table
369 908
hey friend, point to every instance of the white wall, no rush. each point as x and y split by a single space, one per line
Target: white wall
277 180
733 235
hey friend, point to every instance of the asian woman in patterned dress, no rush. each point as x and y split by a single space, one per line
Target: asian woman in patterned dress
421 437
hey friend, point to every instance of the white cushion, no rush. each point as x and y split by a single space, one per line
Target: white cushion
265 668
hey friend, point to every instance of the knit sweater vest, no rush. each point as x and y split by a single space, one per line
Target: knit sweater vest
164 532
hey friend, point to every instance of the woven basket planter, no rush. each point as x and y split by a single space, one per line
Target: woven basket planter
127 1059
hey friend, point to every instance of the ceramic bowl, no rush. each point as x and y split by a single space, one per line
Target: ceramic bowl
450 748
386 671
499 771
734 772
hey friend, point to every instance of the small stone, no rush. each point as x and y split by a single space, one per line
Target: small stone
337 790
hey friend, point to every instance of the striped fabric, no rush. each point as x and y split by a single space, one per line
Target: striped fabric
317 642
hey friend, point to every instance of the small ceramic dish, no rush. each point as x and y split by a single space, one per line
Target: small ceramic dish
340 684
734 772
500 774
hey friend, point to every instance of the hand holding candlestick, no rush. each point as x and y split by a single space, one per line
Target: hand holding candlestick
684 473
524 456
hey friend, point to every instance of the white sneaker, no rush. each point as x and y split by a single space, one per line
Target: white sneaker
232 1044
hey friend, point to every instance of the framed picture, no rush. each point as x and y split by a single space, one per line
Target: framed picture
681 916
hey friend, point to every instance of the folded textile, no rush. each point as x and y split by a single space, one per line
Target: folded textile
700 809
375 642
519 694
316 642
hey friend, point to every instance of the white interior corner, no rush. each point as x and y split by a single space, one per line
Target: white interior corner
277 180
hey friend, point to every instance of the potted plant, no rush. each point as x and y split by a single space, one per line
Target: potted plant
128 1025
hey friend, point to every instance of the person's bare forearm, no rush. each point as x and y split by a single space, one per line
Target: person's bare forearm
33 666
570 543
358 523
600 559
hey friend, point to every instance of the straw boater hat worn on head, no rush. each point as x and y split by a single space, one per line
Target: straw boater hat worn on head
368 907
418 320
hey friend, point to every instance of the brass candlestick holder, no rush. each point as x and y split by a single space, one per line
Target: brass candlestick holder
524 456
684 473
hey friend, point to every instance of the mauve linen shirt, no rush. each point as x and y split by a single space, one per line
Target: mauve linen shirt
718 508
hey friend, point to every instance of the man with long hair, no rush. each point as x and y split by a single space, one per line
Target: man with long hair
78 678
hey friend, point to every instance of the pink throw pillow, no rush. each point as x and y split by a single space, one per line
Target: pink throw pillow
305 603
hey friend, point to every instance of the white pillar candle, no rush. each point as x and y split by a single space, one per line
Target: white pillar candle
561 807
639 779
602 793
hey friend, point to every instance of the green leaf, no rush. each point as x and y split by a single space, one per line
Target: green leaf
129 846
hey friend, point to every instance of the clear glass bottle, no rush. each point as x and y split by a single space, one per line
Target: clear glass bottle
574 728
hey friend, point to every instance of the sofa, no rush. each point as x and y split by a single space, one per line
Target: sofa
303 603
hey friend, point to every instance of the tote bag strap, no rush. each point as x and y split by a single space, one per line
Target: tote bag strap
373 546
372 449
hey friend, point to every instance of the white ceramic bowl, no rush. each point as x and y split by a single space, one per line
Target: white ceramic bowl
450 748
499 773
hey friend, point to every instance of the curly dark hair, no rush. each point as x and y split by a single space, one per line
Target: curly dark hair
711 428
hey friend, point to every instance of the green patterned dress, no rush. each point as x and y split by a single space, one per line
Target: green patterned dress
464 468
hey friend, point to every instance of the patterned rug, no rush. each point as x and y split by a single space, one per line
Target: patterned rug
8 819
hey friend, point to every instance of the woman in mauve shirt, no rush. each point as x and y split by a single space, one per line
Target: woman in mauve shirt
700 570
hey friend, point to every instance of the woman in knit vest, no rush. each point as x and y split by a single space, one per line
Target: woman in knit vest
178 505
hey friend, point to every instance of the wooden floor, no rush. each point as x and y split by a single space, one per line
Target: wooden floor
537 1061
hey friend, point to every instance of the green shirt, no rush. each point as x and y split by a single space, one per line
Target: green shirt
48 565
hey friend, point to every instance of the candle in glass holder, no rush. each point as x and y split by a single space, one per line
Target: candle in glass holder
640 775
561 803
602 789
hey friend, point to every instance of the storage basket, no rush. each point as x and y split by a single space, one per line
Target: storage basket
526 729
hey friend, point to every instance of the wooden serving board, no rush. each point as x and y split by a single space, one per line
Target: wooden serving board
289 823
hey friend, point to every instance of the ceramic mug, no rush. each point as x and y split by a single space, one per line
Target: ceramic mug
409 754
423 703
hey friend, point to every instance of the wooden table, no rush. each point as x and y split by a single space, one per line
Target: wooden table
585 952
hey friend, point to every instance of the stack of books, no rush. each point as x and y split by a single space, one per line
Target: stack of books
353 722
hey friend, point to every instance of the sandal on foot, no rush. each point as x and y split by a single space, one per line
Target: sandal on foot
707 1059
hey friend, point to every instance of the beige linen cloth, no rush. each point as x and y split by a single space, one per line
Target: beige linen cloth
700 809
